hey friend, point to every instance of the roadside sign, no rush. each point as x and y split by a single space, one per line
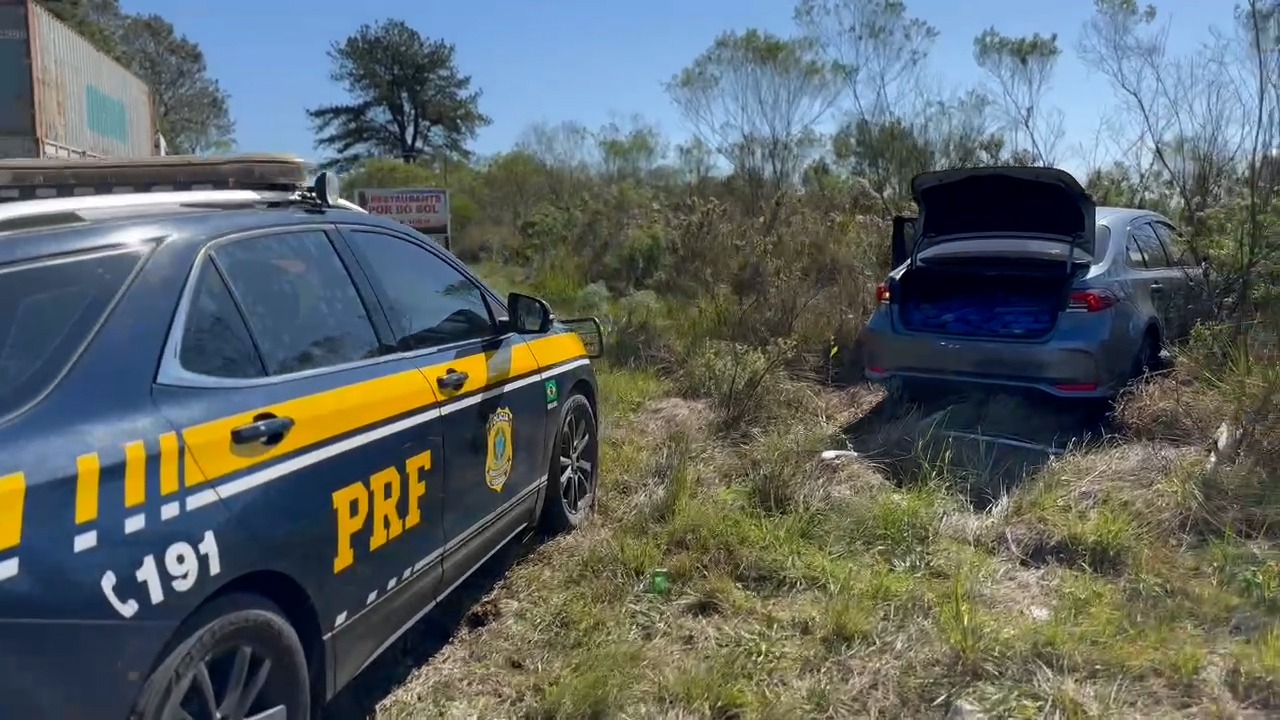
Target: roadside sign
423 209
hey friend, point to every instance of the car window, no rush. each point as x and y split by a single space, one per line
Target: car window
428 302
1102 241
215 340
301 306
1152 250
48 311
1136 259
1174 244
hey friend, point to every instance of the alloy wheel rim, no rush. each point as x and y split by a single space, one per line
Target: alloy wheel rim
235 684
577 463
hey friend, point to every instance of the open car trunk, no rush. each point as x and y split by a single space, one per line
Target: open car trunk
1019 301
993 252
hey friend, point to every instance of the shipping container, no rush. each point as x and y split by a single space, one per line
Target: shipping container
62 97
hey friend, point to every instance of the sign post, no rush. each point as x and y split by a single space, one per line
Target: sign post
423 209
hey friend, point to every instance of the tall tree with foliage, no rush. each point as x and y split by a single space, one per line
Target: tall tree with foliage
878 49
192 108
755 97
1021 68
407 99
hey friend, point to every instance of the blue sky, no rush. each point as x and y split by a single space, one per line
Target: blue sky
554 60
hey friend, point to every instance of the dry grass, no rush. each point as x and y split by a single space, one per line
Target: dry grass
1109 585
1170 408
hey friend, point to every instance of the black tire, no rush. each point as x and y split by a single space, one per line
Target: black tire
573 474
230 632
906 394
902 394
1147 358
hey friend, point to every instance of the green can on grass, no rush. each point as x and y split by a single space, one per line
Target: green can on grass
660 581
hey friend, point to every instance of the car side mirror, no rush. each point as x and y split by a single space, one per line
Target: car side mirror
529 315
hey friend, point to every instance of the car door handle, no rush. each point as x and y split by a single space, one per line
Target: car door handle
452 380
265 430
1156 287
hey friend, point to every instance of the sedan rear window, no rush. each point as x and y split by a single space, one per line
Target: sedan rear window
1101 243
48 312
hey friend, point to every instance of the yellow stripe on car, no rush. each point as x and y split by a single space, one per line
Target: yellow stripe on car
88 476
135 474
13 494
170 461
330 414
555 349
319 417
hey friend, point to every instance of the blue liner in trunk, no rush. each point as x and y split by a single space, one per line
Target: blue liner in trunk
1000 314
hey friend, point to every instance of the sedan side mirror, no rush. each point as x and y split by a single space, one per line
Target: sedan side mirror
529 315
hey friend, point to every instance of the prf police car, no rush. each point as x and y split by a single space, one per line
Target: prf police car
249 435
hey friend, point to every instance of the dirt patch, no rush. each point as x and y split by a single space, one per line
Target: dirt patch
985 444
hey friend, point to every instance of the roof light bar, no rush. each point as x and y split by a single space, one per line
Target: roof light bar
46 178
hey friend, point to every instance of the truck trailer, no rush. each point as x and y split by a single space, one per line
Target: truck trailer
61 97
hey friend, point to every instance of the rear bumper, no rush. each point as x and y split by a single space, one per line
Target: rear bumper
65 670
1069 370
1082 391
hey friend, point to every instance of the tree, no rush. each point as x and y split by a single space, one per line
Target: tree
1115 185
408 99
385 173
567 144
1021 68
632 151
566 151
513 182
755 98
877 48
695 161
961 132
192 109
1188 112
885 155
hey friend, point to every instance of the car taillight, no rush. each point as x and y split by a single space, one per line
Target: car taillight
1090 301
882 293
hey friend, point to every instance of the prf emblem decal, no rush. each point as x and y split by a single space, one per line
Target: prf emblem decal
497 466
553 393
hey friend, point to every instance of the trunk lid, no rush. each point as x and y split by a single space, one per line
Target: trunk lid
1036 203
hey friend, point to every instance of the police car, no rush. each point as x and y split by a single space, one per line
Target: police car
249 435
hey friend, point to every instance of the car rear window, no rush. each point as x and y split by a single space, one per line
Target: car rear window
1102 240
48 312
